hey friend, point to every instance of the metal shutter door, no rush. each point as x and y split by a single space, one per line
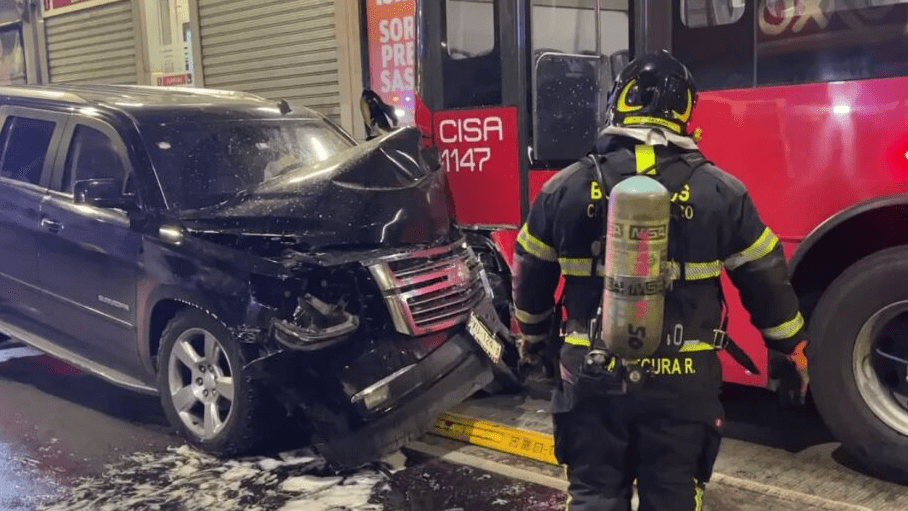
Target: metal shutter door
93 45
278 49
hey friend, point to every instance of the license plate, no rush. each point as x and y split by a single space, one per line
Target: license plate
484 338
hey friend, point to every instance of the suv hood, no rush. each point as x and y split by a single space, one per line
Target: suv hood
385 192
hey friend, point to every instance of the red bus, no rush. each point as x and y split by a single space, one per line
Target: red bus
804 100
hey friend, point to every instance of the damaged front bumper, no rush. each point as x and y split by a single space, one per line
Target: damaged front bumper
413 399
384 415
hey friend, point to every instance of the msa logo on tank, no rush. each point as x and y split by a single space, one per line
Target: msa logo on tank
640 232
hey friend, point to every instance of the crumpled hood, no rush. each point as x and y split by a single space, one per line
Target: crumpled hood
384 192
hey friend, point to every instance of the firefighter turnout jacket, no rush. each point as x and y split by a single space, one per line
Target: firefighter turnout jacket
714 226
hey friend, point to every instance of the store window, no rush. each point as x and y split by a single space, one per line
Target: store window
169 43
392 53
12 51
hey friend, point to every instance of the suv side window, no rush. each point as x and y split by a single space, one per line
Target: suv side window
25 143
92 155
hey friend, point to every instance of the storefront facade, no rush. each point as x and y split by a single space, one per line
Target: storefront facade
304 51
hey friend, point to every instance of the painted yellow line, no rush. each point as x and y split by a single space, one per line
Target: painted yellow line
519 442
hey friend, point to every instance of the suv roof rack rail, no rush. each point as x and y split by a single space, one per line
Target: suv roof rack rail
38 93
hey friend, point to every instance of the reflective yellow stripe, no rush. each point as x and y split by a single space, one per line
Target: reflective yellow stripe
577 339
646 159
759 249
623 107
534 337
580 267
531 319
696 271
785 330
535 246
645 119
696 346
575 267
698 497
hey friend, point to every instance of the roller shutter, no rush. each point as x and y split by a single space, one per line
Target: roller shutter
93 45
278 49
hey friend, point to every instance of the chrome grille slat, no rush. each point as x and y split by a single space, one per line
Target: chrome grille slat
422 269
432 290
461 300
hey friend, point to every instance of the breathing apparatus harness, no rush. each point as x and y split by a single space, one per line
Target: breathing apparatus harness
618 374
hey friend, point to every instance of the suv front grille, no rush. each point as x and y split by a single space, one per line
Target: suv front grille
431 290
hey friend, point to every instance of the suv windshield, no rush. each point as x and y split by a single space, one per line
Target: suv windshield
201 164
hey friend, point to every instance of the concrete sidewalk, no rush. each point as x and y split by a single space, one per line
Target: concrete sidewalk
770 458
724 493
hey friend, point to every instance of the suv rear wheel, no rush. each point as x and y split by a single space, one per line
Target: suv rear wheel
203 391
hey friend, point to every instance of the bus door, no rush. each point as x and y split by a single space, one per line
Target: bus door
513 87
577 47
472 82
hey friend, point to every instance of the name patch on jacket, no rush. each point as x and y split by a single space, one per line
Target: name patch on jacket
669 366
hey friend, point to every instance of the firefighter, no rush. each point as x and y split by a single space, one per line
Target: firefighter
663 432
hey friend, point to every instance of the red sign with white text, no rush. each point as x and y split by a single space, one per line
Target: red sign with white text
52 7
479 151
392 53
174 79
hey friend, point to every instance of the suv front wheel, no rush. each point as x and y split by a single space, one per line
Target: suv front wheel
203 391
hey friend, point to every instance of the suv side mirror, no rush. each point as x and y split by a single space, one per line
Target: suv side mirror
103 193
378 116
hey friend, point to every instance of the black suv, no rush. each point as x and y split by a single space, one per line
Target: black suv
248 262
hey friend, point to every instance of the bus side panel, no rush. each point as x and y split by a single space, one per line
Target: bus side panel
478 148
423 118
538 179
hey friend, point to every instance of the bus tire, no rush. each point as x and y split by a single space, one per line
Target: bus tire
847 383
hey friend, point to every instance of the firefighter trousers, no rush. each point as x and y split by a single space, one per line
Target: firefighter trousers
608 442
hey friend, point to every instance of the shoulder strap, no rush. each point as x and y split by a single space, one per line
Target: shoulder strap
675 181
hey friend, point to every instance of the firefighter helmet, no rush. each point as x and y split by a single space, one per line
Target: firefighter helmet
653 90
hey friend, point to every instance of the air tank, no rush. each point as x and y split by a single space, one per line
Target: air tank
636 251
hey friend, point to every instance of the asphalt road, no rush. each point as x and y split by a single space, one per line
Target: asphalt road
69 441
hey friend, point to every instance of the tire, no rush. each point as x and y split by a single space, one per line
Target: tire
852 387
241 424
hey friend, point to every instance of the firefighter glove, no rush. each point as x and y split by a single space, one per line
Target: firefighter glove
531 349
795 378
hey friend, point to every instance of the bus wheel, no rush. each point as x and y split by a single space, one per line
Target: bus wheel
858 360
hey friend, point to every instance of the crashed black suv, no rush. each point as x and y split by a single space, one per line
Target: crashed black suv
249 262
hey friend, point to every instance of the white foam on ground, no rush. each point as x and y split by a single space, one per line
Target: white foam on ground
183 478
352 493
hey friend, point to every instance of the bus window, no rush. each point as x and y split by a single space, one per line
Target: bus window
802 41
471 29
710 13
570 80
472 67
714 39
573 29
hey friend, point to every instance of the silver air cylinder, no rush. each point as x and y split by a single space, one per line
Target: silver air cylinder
636 251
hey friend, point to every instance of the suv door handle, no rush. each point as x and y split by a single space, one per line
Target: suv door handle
51 225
